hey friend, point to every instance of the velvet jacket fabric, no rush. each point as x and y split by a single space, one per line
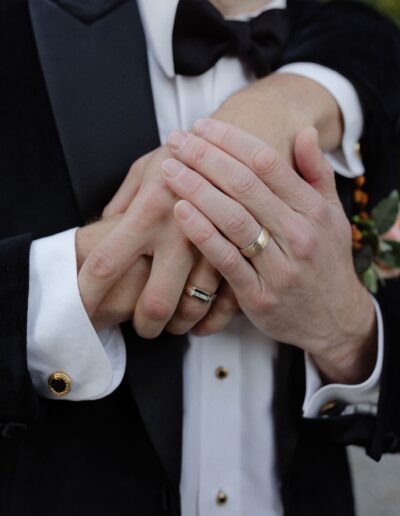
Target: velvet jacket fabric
75 111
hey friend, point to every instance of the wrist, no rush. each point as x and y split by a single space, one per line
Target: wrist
277 107
351 356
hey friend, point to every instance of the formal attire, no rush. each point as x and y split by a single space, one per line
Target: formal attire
238 404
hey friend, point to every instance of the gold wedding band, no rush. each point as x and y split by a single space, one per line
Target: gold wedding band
258 245
200 294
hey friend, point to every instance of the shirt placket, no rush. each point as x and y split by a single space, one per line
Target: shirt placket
220 428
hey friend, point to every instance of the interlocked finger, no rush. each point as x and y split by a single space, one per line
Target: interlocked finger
231 218
192 309
224 308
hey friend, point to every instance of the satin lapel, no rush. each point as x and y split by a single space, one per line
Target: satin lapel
154 373
98 81
99 87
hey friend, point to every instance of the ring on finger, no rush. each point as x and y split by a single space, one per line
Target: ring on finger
200 294
258 245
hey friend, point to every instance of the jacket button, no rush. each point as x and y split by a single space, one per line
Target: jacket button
59 383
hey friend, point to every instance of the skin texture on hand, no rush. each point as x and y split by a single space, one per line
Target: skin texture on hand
277 107
147 226
119 303
302 289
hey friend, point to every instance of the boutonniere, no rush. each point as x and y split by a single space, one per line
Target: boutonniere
376 238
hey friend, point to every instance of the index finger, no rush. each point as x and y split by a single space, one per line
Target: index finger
262 159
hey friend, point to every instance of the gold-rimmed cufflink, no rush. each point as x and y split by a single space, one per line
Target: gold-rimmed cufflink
59 383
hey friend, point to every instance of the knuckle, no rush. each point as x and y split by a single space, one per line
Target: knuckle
264 302
237 221
153 205
101 264
199 152
191 312
226 136
244 184
145 332
264 160
156 308
304 244
203 237
230 261
195 187
320 211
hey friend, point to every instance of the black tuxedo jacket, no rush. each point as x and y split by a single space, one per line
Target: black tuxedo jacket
76 111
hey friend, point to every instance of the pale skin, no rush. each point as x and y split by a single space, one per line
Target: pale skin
288 103
302 289
147 228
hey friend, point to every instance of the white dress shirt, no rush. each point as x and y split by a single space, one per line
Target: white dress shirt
228 440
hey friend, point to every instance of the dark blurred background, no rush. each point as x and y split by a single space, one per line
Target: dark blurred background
390 7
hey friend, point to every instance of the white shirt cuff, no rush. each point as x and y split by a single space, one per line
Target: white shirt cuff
360 398
60 334
346 160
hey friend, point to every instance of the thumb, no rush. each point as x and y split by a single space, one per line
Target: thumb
313 165
128 189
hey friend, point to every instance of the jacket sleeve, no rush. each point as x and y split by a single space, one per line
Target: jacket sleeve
364 47
19 403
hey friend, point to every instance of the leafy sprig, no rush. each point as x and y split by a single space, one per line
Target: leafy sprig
376 256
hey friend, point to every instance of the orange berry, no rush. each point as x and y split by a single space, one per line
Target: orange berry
365 199
360 181
358 196
356 233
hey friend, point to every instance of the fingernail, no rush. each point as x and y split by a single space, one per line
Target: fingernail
176 140
184 210
171 168
201 126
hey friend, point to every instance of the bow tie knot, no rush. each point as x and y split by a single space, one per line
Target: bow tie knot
240 38
202 36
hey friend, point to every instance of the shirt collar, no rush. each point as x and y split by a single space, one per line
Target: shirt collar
158 21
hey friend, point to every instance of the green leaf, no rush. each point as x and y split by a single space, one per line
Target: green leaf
371 238
385 213
369 279
363 259
391 256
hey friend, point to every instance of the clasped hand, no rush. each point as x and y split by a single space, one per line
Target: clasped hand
302 289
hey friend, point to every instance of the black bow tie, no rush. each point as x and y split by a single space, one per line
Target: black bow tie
201 36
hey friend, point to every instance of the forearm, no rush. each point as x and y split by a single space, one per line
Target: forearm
277 107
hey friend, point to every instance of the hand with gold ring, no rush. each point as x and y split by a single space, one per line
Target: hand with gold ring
143 229
299 285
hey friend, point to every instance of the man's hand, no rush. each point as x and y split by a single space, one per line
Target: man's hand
148 228
302 289
274 109
119 303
